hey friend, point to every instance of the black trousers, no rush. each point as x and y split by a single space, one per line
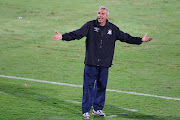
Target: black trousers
94 87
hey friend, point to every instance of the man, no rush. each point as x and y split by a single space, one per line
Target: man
100 43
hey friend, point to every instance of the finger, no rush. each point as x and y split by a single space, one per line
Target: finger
54 37
150 39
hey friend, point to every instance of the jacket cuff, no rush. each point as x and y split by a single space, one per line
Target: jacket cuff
140 40
63 37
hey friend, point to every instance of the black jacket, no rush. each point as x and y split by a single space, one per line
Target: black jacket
100 41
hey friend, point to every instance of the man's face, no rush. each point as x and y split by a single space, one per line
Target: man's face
102 16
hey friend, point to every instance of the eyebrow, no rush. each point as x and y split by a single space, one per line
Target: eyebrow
102 12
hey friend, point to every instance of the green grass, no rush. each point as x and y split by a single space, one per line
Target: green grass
26 50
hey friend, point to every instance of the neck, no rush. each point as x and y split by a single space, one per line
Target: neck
102 24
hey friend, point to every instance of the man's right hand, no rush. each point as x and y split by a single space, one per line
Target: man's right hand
57 37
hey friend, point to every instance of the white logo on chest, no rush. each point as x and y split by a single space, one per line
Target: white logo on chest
109 32
96 29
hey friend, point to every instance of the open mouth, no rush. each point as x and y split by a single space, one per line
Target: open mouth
100 19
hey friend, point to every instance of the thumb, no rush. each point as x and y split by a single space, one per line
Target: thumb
56 32
145 35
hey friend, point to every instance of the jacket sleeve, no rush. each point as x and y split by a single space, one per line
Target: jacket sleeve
77 34
125 37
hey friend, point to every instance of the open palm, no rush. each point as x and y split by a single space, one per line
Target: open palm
57 37
146 39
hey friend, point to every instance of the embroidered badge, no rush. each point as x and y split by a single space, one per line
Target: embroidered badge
109 32
96 29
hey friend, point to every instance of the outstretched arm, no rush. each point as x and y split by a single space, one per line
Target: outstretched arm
76 34
57 37
146 39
